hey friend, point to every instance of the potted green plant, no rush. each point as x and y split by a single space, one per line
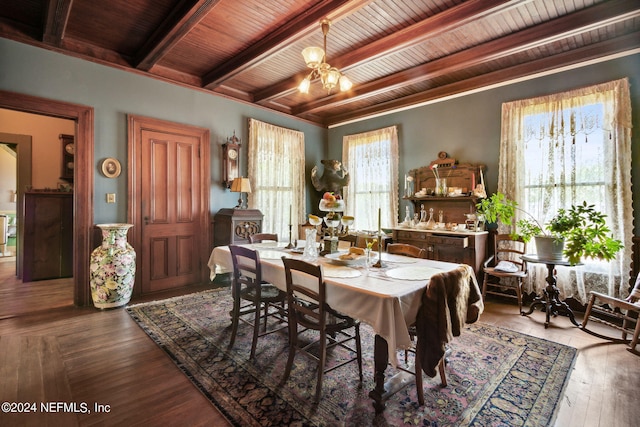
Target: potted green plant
577 232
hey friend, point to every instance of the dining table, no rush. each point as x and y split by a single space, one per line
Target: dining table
387 298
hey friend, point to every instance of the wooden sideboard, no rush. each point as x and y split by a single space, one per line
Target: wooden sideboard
48 235
234 226
468 247
451 246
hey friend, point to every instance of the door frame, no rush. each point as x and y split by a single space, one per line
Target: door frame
83 184
136 124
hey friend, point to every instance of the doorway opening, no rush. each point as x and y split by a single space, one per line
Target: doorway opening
83 122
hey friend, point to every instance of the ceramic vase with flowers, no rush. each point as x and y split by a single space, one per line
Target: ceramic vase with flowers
113 267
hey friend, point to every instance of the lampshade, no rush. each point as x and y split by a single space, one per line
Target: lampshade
330 78
313 56
241 185
305 84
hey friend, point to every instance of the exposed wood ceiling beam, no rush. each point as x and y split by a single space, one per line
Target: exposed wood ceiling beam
297 28
627 43
539 35
399 40
177 25
55 21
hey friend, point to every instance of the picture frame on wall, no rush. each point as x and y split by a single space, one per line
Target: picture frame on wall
110 167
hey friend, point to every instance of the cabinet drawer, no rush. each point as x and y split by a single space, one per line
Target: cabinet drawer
458 241
408 235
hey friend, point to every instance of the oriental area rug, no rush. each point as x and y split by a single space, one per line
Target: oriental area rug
496 377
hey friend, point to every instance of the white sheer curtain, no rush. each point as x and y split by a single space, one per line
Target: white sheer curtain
372 161
276 171
561 149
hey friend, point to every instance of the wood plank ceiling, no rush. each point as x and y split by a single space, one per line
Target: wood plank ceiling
397 53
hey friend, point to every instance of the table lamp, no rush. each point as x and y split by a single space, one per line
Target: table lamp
241 185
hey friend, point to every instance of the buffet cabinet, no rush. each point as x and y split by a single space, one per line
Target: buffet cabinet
234 226
48 236
458 247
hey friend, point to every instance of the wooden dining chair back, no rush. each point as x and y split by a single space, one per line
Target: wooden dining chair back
308 309
261 237
505 269
406 250
254 300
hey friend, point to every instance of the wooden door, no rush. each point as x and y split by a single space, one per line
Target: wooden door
173 205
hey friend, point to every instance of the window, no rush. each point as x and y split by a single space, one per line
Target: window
372 161
564 149
276 171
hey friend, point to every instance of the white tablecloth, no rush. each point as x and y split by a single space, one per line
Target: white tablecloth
385 303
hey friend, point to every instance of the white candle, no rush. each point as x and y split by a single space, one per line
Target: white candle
290 215
379 218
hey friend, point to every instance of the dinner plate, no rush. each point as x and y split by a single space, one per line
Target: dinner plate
334 258
339 271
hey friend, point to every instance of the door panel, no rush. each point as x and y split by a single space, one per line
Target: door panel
171 214
169 203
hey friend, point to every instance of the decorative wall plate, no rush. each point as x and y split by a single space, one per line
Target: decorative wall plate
110 167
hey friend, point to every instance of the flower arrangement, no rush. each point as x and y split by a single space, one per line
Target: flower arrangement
370 243
434 168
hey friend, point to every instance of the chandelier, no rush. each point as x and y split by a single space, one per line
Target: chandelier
315 58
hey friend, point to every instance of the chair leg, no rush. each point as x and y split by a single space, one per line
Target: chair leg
235 314
636 334
484 286
293 342
519 295
587 312
443 376
418 372
321 362
359 350
256 330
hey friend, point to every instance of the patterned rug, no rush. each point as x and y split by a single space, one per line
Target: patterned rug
496 377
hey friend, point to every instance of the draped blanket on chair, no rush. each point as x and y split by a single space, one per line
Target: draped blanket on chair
451 299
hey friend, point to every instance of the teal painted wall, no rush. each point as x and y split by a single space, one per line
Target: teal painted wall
115 93
468 127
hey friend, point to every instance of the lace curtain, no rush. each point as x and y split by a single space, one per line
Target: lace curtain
276 170
372 161
561 149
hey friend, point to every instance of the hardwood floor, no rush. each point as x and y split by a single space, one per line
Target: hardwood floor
51 351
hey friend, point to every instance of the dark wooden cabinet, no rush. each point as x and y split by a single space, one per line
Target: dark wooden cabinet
48 236
234 226
459 247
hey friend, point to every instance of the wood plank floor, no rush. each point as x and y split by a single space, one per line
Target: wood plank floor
51 351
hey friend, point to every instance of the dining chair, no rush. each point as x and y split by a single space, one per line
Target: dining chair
260 237
308 309
414 252
505 269
406 250
451 299
254 300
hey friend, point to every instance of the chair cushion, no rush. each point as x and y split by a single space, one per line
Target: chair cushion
506 266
